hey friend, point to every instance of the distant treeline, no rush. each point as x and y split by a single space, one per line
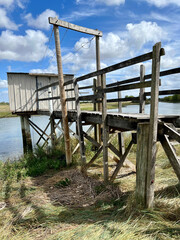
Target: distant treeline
174 98
4 103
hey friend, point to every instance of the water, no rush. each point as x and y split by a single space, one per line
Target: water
10 128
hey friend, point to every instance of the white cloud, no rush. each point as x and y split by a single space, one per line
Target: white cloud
76 15
144 32
111 2
102 2
5 22
163 3
30 47
3 84
41 21
6 3
10 3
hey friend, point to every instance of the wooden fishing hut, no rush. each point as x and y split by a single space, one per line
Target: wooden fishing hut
147 128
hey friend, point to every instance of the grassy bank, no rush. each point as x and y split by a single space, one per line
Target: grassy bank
44 200
5 110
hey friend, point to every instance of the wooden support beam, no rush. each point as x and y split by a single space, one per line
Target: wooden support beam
74 27
79 126
94 157
175 162
141 94
153 124
41 135
129 87
105 130
94 142
163 128
142 166
114 150
53 132
26 134
120 163
63 97
120 134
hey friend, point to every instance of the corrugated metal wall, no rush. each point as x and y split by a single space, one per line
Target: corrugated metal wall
22 95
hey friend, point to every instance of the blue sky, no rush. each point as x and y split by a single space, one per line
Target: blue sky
130 28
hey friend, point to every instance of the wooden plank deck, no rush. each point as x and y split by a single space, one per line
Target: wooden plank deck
119 121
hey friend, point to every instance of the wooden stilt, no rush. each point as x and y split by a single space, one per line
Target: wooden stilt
120 134
142 170
26 134
153 124
62 96
79 125
98 67
175 162
105 130
53 132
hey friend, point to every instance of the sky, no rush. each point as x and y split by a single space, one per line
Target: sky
130 28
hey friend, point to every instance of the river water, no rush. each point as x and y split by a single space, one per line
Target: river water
10 128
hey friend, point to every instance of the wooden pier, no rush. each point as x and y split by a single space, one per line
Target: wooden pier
39 94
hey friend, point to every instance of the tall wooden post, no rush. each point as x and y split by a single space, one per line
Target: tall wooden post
26 134
120 135
62 97
141 94
98 67
95 109
105 131
142 163
153 124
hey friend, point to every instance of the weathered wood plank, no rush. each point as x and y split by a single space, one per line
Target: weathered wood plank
74 27
94 142
153 125
114 150
26 134
79 126
165 129
128 87
142 163
175 162
105 130
141 94
120 163
165 92
62 97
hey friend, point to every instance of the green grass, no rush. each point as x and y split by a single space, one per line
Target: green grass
32 213
5 110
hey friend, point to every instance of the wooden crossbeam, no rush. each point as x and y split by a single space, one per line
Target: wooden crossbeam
94 157
43 133
94 142
114 150
74 27
175 162
122 159
165 129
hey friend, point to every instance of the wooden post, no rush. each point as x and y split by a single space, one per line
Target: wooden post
62 97
105 130
120 135
95 109
98 67
153 125
141 94
53 132
79 126
26 134
142 164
